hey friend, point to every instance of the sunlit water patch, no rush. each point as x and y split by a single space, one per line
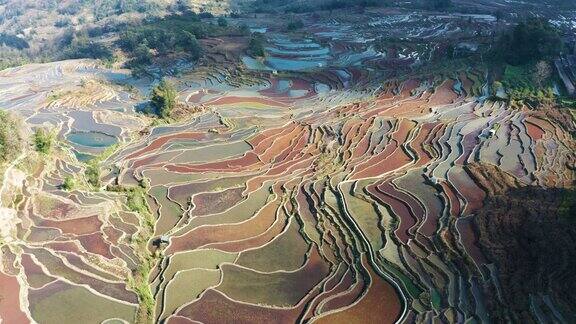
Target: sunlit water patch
92 139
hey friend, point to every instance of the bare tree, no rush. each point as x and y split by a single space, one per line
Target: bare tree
542 71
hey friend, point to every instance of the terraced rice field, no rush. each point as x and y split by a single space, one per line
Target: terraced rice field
325 197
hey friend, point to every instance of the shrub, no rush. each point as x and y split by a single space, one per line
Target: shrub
68 184
62 23
93 174
43 141
522 89
135 200
10 140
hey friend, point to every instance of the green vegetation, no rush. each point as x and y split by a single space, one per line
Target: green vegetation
13 41
526 87
256 45
107 8
172 34
92 171
524 54
567 208
222 22
294 25
139 282
81 47
528 42
163 98
43 141
93 174
68 184
64 20
438 4
10 140
269 6
136 200
141 38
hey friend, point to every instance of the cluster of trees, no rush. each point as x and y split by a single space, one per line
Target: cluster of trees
294 25
13 41
256 45
273 5
11 141
107 8
222 22
528 42
142 42
163 98
82 47
175 33
438 4
557 3
152 37
525 52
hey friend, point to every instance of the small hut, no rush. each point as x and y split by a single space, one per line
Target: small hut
162 241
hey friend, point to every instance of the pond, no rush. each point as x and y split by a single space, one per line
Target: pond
323 52
294 65
91 139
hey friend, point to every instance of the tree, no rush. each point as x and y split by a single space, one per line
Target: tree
163 98
129 40
222 22
542 72
142 55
